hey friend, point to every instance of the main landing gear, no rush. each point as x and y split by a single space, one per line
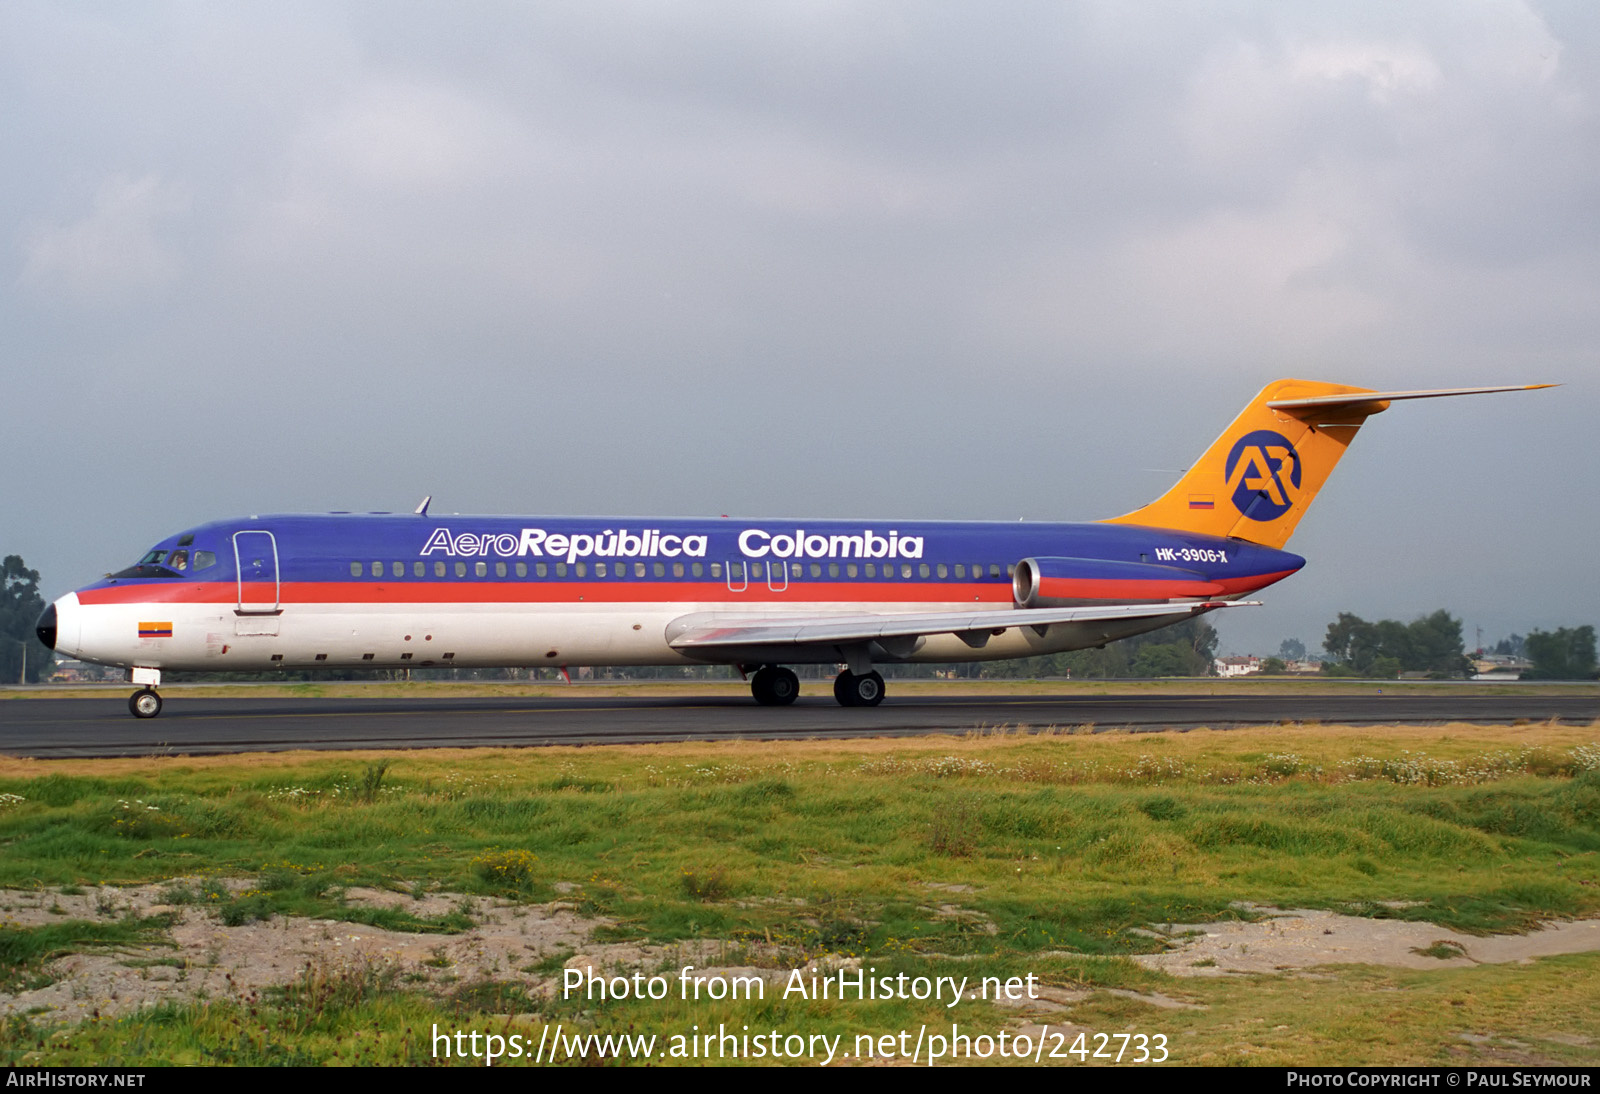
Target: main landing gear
775 686
144 703
865 690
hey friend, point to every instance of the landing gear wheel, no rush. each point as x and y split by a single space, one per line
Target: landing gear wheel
858 691
144 703
775 687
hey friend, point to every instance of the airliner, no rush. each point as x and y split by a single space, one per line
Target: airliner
387 591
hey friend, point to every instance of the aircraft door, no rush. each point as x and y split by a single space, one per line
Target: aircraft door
738 576
778 576
255 556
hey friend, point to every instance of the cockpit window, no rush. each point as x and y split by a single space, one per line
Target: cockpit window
162 562
147 569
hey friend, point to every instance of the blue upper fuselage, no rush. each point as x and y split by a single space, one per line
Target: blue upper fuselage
341 547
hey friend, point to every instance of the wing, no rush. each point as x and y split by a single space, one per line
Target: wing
710 630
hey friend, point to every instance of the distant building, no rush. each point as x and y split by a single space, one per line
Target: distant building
1237 666
1499 666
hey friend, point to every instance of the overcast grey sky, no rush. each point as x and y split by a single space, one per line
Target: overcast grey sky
876 259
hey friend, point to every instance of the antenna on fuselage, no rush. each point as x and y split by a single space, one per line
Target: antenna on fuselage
422 510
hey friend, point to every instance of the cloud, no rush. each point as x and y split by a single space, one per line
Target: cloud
115 252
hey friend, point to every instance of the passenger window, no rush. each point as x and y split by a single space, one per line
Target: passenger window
355 569
461 569
397 569
499 569
850 569
599 569
418 569
755 570
659 569
522 569
1011 569
677 569
438 568
961 570
541 570
944 571
816 569
994 569
377 569
922 570
872 569
581 569
905 569
561 569
699 569
833 569
481 569
716 568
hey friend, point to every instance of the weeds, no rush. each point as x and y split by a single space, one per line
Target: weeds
371 782
956 829
705 885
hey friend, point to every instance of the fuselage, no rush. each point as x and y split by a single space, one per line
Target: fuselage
404 591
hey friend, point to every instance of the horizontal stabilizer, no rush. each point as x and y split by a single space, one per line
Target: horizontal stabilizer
1367 397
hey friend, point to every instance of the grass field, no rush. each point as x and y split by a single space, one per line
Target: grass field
999 854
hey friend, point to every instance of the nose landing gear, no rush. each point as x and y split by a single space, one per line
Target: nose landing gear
144 703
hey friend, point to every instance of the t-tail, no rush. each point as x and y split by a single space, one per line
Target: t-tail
1257 480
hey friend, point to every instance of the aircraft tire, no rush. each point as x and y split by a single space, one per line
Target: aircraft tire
144 703
843 689
867 690
784 687
775 686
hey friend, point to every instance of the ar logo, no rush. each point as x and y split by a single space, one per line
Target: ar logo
1263 471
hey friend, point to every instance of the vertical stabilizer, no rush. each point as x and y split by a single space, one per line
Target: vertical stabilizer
1256 481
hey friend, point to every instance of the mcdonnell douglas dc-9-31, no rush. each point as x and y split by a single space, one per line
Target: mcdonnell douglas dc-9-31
386 591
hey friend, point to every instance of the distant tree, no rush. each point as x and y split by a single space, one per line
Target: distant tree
1564 654
1511 647
1292 649
20 605
1162 659
1430 644
1273 666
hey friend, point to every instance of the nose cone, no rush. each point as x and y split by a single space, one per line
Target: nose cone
46 627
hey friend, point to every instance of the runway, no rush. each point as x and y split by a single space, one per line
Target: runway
64 728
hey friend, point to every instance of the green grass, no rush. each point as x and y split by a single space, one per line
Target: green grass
1047 854
24 951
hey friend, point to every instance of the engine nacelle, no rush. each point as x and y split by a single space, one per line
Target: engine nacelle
1065 582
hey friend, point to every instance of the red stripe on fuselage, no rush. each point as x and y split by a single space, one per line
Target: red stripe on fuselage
633 591
630 591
